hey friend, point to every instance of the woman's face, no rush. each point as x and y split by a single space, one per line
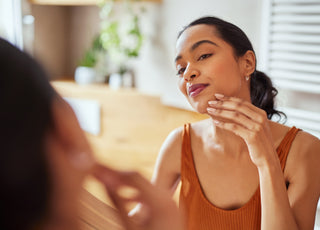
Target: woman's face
70 160
206 65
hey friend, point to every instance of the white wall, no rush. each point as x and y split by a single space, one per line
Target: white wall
155 73
10 21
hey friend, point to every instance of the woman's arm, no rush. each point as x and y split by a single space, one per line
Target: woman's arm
303 192
280 209
303 173
294 208
167 169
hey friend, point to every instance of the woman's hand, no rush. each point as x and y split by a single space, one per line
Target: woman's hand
247 121
162 212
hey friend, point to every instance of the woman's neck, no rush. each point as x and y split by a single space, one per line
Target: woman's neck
227 141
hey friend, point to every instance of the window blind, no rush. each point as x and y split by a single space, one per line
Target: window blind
291 53
294 49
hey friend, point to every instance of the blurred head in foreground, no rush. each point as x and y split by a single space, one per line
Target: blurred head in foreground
44 153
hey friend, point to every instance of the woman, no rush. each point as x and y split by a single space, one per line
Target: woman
45 157
239 169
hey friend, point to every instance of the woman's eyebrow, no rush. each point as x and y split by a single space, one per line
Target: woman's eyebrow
177 58
195 46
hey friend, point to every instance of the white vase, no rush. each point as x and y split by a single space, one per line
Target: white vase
115 81
87 75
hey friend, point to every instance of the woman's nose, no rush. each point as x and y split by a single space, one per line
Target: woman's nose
190 74
189 78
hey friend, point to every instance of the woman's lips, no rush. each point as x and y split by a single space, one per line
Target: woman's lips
194 90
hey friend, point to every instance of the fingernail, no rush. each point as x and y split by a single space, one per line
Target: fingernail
212 102
211 110
219 96
216 122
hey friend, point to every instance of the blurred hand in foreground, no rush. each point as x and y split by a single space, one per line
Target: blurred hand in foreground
126 188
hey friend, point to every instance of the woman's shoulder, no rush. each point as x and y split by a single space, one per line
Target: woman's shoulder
303 140
304 151
172 144
304 156
174 140
175 136
307 144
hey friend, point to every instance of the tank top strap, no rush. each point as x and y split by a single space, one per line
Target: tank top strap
186 152
285 145
186 137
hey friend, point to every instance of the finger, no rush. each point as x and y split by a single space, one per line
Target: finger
233 105
221 97
113 185
121 204
245 107
233 116
138 182
117 180
113 178
235 128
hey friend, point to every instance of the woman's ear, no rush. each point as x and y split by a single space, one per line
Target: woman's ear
66 126
249 63
70 136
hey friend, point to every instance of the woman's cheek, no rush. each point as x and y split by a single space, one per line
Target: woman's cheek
182 86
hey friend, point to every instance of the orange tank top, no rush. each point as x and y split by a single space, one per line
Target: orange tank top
200 213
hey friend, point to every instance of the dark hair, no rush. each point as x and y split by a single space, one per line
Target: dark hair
262 92
26 99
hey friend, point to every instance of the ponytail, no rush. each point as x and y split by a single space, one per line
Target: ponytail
263 94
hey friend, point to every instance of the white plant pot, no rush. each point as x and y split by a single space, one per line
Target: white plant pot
87 75
115 81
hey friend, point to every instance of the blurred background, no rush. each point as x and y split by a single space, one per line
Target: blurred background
285 35
131 44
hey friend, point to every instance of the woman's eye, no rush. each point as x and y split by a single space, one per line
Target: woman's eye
204 56
180 71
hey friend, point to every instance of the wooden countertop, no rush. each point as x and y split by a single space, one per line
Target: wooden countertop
133 125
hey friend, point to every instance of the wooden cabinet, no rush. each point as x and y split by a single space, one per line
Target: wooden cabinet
73 2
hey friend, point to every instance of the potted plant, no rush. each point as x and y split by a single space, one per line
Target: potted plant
88 70
121 38
119 41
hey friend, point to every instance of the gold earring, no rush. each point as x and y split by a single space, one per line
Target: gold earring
247 78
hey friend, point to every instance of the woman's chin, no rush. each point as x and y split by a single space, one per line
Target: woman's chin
200 107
